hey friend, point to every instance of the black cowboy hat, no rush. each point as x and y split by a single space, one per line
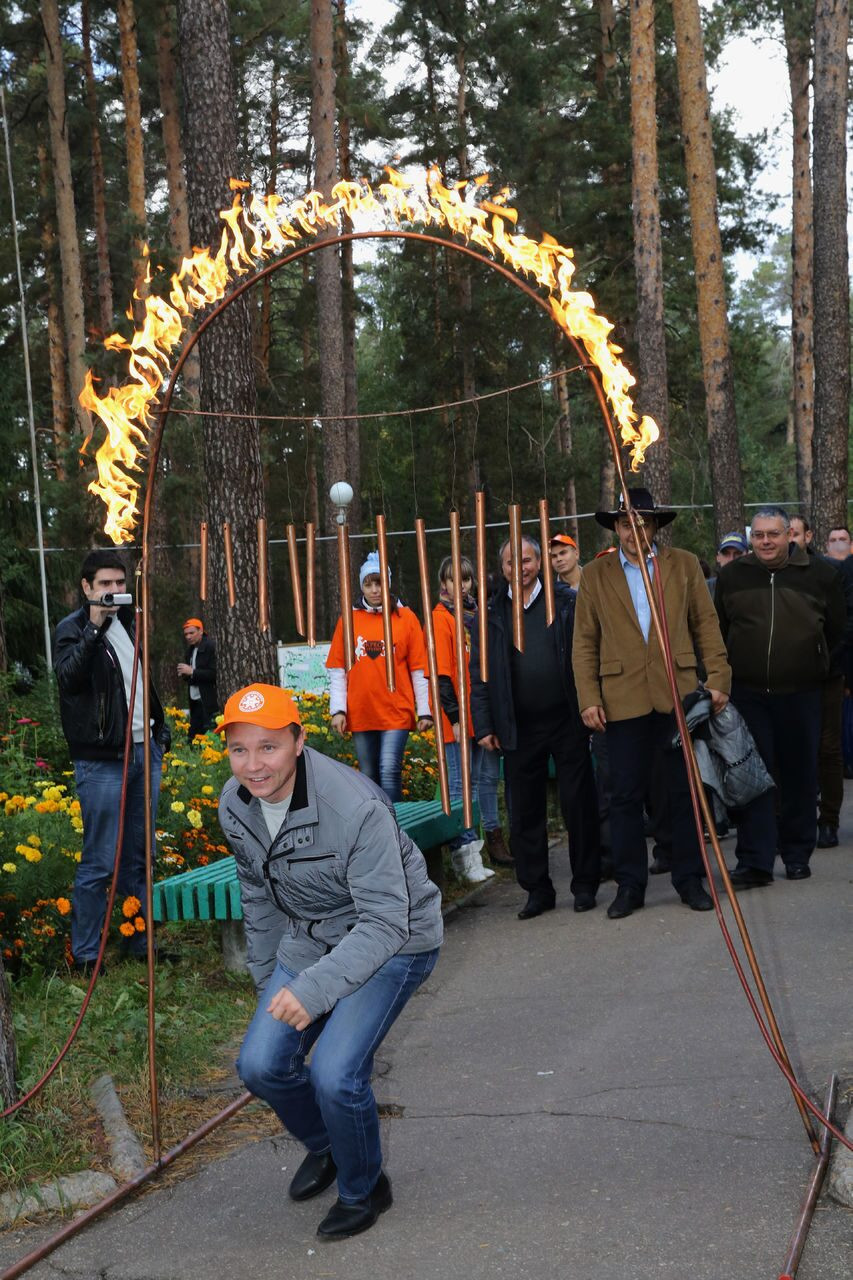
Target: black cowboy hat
643 503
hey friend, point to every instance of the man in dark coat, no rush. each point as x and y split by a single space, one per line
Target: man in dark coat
529 710
198 669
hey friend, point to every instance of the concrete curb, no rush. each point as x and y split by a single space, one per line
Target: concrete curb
127 1159
76 1191
465 901
839 1183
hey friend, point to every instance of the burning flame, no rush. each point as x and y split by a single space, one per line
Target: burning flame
258 227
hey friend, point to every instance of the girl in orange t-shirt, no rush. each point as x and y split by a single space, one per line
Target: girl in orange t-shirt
360 700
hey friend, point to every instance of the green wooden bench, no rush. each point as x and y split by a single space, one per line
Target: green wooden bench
213 892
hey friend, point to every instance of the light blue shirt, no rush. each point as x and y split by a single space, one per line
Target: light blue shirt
639 599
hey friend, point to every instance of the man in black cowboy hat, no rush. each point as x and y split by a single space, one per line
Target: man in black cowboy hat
623 689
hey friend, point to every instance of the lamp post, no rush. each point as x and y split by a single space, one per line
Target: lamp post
341 496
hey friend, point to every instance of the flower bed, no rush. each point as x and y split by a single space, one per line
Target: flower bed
41 832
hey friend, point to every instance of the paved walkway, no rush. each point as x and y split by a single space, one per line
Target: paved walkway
577 1098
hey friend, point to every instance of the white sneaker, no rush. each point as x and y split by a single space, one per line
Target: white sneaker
474 861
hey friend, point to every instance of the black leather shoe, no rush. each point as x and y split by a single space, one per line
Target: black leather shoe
661 862
750 878
801 872
626 902
694 896
584 901
827 836
345 1220
535 906
313 1176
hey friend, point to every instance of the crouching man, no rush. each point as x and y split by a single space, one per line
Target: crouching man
342 927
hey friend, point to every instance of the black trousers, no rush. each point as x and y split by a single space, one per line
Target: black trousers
526 770
637 747
786 729
830 760
200 722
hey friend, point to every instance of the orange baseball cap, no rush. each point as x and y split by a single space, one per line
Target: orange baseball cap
263 704
563 540
193 622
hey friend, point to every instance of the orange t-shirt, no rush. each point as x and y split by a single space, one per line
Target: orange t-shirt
370 704
444 630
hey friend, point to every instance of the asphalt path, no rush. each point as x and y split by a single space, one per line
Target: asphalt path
567 1097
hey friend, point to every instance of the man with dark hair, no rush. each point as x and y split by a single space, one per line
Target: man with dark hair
838 543
781 614
624 691
529 710
94 663
198 669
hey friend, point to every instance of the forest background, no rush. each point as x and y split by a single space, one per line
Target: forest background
125 121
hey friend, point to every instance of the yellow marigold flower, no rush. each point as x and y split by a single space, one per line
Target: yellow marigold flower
207 791
194 817
126 930
77 824
29 801
63 906
139 924
11 867
77 856
130 906
4 795
177 806
33 855
35 841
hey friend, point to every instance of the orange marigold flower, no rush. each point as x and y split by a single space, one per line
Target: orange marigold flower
130 907
139 924
126 930
63 906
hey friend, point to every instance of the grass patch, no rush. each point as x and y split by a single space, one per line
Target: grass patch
201 1014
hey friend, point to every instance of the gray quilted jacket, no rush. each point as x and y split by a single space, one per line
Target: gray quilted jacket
729 761
339 891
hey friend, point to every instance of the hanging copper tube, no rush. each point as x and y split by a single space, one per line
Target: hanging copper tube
387 630
547 570
263 578
310 584
432 664
482 583
462 677
798 1240
147 790
229 564
516 548
202 590
295 579
346 595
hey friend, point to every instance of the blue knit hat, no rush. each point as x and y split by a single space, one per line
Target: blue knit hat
371 565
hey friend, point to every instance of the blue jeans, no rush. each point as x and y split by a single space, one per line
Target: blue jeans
380 757
487 789
99 792
329 1105
454 779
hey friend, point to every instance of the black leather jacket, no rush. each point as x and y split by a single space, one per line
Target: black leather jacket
92 701
492 708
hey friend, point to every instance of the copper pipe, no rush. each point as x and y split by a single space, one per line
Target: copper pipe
432 664
482 583
515 548
121 1193
263 578
310 584
202 590
229 564
346 595
153 1092
387 629
798 1240
462 677
295 579
547 570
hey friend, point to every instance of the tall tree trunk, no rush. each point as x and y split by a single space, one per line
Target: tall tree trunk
8 1056
232 449
567 502
652 392
99 197
66 217
831 284
4 652
179 223
797 22
465 328
60 406
353 432
265 327
133 139
606 87
717 372
327 275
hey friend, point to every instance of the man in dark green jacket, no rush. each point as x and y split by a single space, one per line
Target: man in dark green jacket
781 614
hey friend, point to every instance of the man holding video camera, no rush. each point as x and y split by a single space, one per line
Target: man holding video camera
94 664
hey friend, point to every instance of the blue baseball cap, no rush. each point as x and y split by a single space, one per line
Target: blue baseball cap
734 542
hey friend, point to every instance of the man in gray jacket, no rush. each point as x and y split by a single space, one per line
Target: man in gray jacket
342 927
